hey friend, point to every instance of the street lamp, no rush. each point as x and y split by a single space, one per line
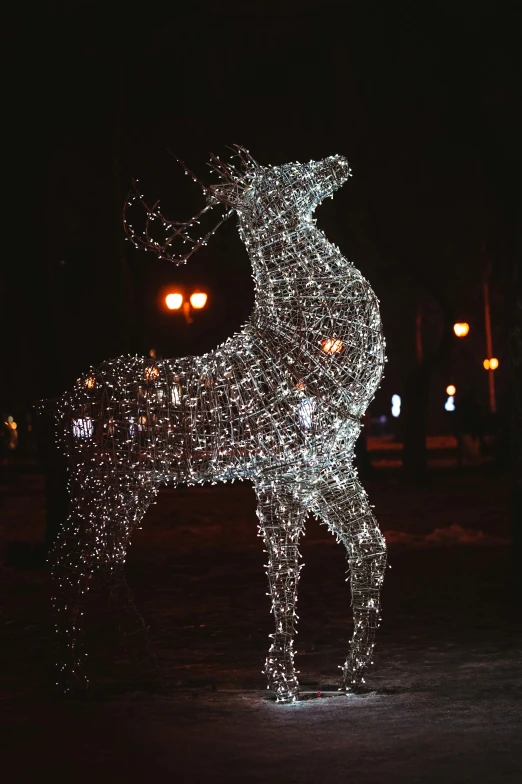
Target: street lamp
175 301
198 300
461 329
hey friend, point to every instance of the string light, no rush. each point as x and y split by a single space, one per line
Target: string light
279 403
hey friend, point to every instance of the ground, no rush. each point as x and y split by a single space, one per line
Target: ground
444 696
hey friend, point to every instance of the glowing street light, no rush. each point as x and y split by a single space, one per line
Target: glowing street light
451 390
198 300
174 300
461 329
177 301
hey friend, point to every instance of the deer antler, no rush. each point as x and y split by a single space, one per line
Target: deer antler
242 153
176 228
180 229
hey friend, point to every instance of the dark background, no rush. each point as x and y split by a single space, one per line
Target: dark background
423 99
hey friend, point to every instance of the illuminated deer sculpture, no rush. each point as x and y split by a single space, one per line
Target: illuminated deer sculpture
279 403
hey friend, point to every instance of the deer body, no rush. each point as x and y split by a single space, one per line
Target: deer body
279 403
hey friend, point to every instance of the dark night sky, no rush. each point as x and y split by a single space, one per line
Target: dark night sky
422 99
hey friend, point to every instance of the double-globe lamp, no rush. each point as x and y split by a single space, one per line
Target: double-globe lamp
174 300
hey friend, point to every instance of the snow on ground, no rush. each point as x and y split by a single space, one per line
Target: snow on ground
443 701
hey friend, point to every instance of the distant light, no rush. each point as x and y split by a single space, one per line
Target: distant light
198 300
396 405
451 389
82 428
461 329
332 346
490 364
90 382
449 405
174 301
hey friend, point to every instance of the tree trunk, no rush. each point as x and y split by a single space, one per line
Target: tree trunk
515 356
416 393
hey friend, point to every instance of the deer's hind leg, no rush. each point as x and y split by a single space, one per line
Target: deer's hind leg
93 543
281 518
341 502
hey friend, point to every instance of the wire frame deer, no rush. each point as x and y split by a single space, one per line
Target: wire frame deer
279 403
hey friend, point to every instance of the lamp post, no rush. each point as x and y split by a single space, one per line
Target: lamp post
491 363
176 301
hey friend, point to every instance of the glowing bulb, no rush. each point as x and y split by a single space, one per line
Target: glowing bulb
461 329
332 346
198 300
451 390
449 405
486 364
151 373
174 301
493 363
396 405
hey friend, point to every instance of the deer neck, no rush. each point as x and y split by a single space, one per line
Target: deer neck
294 268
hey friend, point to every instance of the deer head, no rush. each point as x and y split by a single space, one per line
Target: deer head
280 195
286 196
228 192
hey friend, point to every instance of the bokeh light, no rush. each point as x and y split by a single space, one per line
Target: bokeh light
198 300
174 300
332 346
461 329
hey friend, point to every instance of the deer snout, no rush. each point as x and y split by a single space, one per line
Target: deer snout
341 168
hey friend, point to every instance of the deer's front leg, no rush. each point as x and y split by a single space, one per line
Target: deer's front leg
343 505
281 519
